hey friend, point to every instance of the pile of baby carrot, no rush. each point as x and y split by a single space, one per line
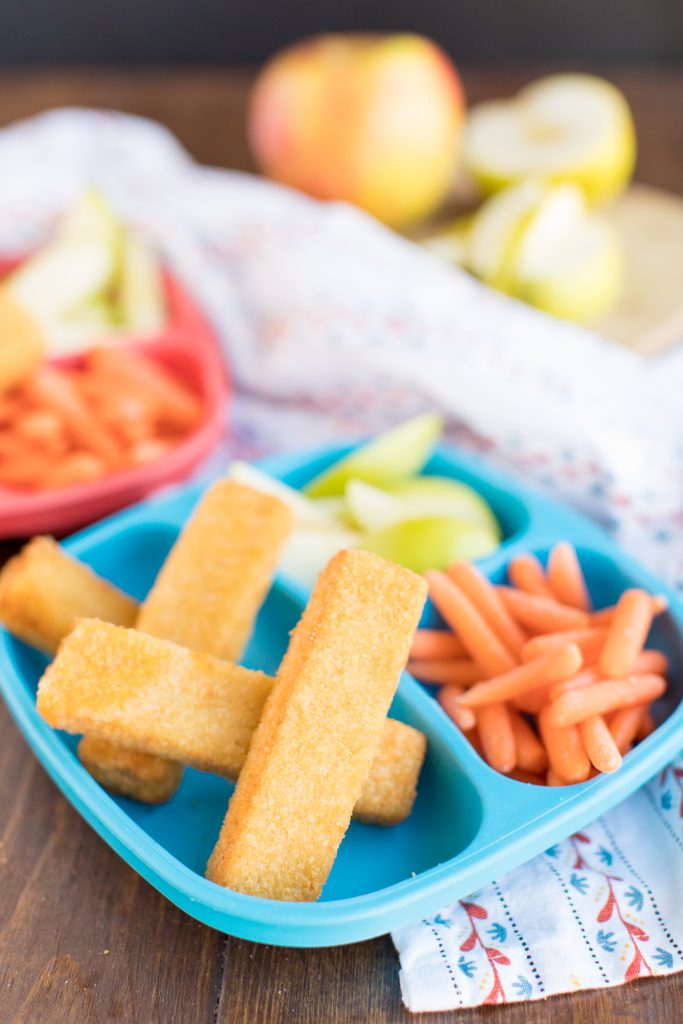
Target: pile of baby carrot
546 689
67 426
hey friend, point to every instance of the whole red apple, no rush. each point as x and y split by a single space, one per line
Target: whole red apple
374 120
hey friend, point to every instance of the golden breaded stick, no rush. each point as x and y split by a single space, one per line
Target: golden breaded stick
127 688
131 773
209 591
390 789
22 344
320 730
43 591
215 579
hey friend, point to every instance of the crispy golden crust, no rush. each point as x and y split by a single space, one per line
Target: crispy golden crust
390 789
124 687
43 591
319 731
215 579
144 777
152 695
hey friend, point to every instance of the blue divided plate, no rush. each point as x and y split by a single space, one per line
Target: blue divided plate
469 824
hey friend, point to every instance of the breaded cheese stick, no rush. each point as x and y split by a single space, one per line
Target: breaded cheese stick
215 579
206 597
130 690
320 730
131 773
43 591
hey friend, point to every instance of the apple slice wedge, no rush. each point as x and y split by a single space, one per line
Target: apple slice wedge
373 508
395 455
431 543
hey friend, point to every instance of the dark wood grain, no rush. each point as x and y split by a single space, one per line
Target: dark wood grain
65 898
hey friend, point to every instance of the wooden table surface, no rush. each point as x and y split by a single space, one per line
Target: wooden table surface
83 940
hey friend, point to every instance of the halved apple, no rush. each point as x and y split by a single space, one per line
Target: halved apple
394 455
539 243
431 543
564 128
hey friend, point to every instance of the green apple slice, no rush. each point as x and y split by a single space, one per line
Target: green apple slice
307 552
395 455
140 288
428 496
72 275
433 543
307 514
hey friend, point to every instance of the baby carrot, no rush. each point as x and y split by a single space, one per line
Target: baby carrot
624 725
566 752
436 643
25 468
565 577
599 743
590 642
526 573
531 702
531 778
531 755
602 697
461 672
605 616
147 450
55 391
176 404
585 678
448 698
541 614
647 725
497 737
75 468
627 633
553 779
551 667
43 429
479 640
486 600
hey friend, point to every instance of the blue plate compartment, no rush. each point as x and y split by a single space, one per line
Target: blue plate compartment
469 824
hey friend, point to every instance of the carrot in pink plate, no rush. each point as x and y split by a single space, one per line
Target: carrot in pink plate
74 468
175 404
54 390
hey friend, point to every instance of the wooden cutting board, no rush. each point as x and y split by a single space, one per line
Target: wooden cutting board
649 316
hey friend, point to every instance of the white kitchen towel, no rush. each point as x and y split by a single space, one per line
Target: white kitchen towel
333 326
